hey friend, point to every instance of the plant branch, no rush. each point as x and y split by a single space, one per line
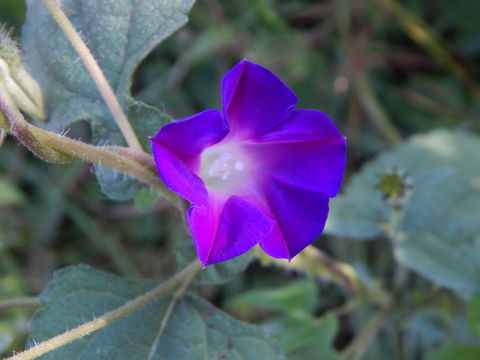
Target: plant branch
96 73
182 277
19 302
55 148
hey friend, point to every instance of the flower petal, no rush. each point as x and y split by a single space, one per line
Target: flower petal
254 99
226 228
299 215
303 125
177 148
305 151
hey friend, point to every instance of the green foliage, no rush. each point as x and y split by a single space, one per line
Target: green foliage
5 342
300 334
9 194
212 275
319 49
194 330
456 352
435 231
474 315
320 339
145 198
298 295
120 34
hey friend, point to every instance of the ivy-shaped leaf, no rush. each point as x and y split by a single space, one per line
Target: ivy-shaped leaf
120 33
194 330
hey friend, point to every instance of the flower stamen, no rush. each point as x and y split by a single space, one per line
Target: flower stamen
222 168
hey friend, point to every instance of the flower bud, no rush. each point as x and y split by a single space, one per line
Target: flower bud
17 81
395 186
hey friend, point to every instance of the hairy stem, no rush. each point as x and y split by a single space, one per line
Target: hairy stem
96 73
55 148
180 278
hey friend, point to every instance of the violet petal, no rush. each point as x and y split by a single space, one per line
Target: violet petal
177 148
305 151
254 99
226 228
300 217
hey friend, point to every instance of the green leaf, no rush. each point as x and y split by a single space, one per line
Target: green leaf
195 329
299 333
473 315
456 352
320 340
436 233
214 274
297 295
9 194
145 198
120 34
453 266
348 218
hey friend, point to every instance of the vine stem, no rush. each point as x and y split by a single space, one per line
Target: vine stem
179 279
55 148
96 73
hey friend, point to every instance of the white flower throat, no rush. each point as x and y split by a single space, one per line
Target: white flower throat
222 168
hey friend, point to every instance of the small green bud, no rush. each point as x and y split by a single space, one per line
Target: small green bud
395 186
17 81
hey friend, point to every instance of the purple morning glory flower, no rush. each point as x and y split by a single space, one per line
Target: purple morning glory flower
260 172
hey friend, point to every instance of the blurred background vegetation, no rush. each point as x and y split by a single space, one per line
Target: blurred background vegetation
382 69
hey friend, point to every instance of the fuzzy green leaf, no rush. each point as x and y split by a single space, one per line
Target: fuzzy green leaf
195 329
119 33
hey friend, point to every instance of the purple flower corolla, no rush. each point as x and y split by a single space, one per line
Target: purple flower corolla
260 172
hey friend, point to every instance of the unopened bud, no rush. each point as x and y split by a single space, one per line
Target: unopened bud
395 186
17 81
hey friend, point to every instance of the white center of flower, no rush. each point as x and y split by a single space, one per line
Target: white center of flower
222 168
